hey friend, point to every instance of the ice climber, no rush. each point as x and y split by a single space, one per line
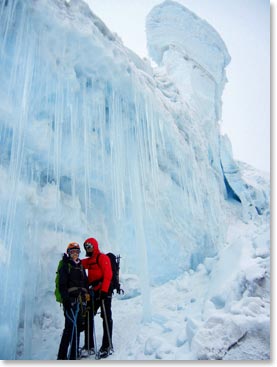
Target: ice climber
73 287
99 277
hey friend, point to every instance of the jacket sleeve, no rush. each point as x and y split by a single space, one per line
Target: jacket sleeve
105 265
63 282
85 263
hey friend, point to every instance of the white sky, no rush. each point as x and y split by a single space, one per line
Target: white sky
244 26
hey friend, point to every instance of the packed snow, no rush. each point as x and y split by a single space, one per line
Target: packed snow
96 142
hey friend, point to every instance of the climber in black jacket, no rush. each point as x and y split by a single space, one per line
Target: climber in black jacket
73 286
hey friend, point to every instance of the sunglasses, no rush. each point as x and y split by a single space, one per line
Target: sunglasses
88 246
74 251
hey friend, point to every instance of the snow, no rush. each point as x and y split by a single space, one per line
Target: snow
96 142
202 314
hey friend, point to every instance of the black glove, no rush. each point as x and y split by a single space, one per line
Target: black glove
67 304
103 295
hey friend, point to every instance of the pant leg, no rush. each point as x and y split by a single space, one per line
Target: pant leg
89 338
66 338
70 337
89 335
108 308
76 332
75 345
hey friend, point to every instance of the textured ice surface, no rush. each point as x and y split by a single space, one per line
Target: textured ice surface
96 143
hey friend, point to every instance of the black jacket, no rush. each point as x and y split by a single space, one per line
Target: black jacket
73 279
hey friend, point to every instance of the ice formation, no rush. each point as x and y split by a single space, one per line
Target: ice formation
94 142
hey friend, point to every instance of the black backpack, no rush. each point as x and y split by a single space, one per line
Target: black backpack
115 264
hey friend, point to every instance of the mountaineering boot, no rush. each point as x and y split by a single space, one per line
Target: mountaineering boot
104 352
85 352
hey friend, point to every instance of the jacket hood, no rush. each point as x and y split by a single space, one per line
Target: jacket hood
95 245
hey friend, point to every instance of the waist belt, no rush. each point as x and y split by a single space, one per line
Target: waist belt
72 289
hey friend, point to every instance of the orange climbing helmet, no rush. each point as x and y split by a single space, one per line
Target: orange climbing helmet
73 246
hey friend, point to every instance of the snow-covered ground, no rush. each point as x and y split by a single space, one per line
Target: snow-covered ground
220 311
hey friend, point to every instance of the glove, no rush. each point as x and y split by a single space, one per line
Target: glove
67 304
87 297
103 295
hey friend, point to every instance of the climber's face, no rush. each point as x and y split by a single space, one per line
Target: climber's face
74 254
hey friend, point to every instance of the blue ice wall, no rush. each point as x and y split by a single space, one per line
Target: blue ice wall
95 143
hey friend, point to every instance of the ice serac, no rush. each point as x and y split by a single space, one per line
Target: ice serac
94 142
193 56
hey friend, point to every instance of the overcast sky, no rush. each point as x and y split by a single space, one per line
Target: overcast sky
244 26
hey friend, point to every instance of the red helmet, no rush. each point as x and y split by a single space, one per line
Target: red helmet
73 246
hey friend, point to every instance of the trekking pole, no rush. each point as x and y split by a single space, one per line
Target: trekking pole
72 333
88 332
107 326
95 342
76 339
93 326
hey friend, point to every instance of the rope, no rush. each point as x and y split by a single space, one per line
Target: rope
74 328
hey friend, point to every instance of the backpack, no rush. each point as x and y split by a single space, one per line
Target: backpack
57 280
115 264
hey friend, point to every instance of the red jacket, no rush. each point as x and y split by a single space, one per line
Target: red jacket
99 269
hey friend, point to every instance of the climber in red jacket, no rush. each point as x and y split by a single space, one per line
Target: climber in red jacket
99 279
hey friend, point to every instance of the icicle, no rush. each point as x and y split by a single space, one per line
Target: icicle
97 149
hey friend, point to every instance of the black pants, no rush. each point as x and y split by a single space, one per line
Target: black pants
71 333
94 306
